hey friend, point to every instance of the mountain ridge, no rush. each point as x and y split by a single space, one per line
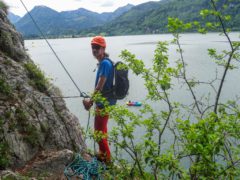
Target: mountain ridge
13 17
152 17
55 23
146 18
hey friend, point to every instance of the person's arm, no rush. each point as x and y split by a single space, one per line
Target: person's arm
105 69
88 103
100 84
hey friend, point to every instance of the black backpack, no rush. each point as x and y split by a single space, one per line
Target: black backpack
121 82
121 85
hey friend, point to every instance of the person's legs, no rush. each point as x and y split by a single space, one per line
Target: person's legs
100 124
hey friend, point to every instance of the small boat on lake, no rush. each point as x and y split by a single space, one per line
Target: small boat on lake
134 103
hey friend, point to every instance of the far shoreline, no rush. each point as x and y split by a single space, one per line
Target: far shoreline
79 36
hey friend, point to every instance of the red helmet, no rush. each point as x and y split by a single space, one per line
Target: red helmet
99 40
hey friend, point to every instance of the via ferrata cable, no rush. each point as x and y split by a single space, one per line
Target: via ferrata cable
82 94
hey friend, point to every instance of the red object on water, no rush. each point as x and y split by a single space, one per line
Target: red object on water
132 103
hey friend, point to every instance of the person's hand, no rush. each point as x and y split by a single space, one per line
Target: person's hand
87 104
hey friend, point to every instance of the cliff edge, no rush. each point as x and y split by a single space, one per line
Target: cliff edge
37 134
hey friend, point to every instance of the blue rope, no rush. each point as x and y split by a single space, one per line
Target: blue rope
81 167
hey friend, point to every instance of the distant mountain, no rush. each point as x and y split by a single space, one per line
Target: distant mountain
43 17
118 12
54 24
146 18
13 18
152 17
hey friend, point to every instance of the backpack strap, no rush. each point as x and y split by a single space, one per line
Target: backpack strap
109 93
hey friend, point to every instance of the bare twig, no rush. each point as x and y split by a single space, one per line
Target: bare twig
229 58
184 75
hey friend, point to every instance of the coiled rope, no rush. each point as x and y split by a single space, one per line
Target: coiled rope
85 169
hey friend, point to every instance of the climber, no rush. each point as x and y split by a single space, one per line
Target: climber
104 82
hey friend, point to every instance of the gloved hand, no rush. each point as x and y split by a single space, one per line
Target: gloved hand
87 104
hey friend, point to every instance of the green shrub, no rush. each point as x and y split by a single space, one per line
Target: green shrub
31 135
29 132
178 140
37 77
3 6
8 62
4 156
4 149
5 88
21 117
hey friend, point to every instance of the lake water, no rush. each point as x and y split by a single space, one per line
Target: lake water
77 57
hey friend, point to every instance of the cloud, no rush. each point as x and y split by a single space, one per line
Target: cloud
107 4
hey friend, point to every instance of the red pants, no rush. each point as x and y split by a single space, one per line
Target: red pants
100 124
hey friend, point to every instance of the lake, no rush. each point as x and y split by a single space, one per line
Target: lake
77 57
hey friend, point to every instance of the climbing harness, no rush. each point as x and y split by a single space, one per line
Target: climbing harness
82 94
85 169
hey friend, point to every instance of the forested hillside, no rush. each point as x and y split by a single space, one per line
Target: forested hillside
57 24
152 17
146 18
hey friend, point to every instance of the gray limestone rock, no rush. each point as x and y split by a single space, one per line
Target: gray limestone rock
31 122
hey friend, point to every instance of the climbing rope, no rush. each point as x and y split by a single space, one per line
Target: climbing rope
89 115
79 167
82 94
84 169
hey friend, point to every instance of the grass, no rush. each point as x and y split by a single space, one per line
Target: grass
21 117
31 135
3 6
37 77
4 156
4 149
5 89
30 132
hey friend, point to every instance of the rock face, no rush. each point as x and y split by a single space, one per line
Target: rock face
31 123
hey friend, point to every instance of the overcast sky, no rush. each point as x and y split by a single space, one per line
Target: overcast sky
63 5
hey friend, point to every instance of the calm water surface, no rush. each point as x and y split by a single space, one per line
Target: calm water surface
77 57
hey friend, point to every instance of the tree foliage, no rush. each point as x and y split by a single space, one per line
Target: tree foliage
3 6
151 18
203 136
